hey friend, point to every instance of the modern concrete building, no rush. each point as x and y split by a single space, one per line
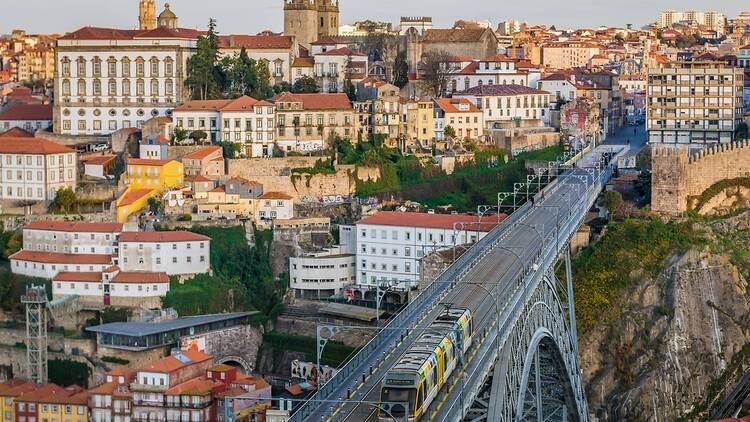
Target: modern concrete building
322 275
694 103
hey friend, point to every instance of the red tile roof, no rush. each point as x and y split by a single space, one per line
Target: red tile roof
203 153
303 62
27 112
137 277
500 90
10 145
94 33
202 105
61 258
72 276
256 42
153 237
244 103
132 195
316 101
430 221
219 189
170 363
99 160
199 178
275 195
451 105
74 226
16 132
200 386
155 140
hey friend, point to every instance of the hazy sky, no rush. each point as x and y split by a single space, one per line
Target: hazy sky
252 16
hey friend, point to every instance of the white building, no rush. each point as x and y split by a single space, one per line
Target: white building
334 67
29 117
322 275
48 264
107 79
497 70
274 206
71 237
154 147
34 169
508 102
391 245
175 253
245 121
113 287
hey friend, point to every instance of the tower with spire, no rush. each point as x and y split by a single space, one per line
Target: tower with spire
147 15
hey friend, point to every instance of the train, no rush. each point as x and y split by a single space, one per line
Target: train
426 366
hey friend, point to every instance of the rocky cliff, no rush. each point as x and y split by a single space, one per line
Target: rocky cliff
682 337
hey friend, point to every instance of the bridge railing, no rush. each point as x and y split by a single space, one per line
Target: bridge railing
487 355
358 364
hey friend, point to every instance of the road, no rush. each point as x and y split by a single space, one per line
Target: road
487 289
637 136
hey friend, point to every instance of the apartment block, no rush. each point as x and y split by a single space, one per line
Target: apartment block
694 103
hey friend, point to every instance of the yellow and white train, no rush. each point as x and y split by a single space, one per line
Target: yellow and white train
428 364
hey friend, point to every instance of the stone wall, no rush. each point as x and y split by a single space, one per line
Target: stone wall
239 344
250 168
15 358
677 175
178 151
136 359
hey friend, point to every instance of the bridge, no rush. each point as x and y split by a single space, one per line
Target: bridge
524 362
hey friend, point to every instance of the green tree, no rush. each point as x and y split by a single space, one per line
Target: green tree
154 205
612 201
436 73
305 85
263 90
400 70
282 86
202 69
180 134
229 149
198 135
242 74
65 200
449 132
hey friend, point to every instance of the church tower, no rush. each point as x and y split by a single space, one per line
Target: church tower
310 20
147 15
167 18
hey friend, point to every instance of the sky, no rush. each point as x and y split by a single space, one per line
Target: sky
252 16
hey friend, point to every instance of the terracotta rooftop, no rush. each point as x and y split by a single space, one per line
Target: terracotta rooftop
203 153
132 195
202 105
61 258
144 162
94 33
153 237
171 363
200 386
429 221
10 145
27 112
140 277
316 101
500 90
199 178
453 105
98 160
303 62
275 195
74 226
343 51
16 132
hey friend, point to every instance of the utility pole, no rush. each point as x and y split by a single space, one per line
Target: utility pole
35 300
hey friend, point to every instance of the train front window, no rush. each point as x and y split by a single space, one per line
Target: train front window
398 395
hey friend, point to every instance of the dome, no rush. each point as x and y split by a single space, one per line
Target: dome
167 13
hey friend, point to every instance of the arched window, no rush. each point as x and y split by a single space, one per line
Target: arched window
112 91
154 88
168 87
139 88
112 67
140 65
65 66
97 87
154 62
126 87
65 87
97 66
125 66
168 66
81 67
81 87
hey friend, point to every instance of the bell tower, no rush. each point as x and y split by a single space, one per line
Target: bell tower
147 15
310 20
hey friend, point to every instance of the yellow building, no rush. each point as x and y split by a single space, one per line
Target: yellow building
418 120
145 180
461 115
154 174
218 201
9 391
52 403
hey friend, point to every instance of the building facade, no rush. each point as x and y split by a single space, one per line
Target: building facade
508 102
305 122
174 253
34 169
310 20
694 103
322 275
110 79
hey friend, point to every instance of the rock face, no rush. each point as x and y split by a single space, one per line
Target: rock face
679 333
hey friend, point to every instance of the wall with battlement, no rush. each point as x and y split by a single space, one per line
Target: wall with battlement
678 175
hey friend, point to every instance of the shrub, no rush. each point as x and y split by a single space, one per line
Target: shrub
67 372
115 360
